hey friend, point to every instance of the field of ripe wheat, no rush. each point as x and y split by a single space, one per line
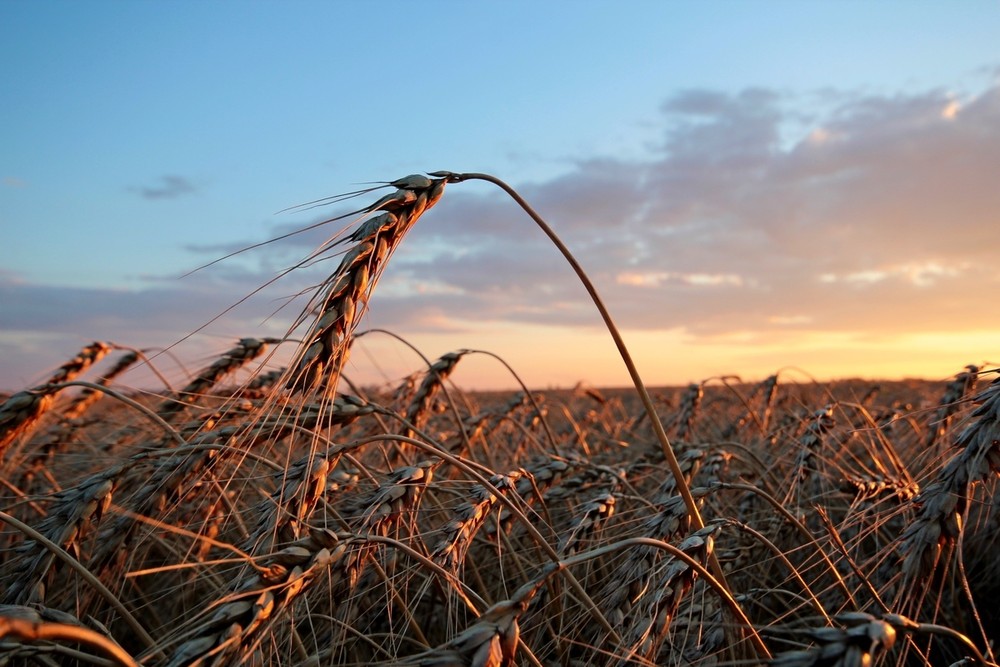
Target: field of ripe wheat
287 517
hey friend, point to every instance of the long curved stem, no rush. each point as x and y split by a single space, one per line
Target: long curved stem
647 401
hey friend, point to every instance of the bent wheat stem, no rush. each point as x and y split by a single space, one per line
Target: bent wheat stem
37 630
647 401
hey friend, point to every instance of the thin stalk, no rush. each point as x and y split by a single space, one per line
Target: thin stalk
647 401
170 430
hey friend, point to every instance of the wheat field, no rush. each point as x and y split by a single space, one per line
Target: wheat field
262 515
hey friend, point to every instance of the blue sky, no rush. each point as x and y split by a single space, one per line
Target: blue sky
753 184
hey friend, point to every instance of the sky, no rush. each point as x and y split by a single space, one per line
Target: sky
797 186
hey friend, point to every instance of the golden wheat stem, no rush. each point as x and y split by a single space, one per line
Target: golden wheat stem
34 631
162 423
647 402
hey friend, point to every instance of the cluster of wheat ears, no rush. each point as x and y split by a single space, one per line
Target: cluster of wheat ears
281 519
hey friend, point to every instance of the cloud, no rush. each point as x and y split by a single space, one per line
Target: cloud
727 219
169 187
886 223
696 279
758 215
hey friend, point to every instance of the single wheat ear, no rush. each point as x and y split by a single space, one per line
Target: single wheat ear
951 401
88 396
245 351
20 413
344 294
858 644
690 402
674 579
418 410
469 518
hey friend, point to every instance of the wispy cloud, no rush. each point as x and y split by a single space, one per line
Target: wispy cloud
694 279
168 187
